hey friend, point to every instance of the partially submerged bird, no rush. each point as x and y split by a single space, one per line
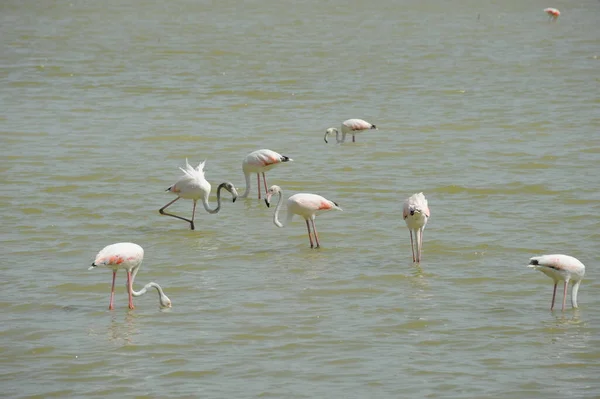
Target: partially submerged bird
304 205
127 256
193 185
415 213
259 162
352 126
560 268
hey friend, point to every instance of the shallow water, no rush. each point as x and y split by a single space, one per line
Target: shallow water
490 110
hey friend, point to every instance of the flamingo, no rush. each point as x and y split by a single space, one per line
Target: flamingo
192 185
352 126
416 213
305 205
553 13
260 161
560 268
128 256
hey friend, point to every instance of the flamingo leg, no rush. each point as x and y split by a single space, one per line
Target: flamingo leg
193 215
130 289
420 242
565 294
258 184
309 235
353 139
112 292
265 183
412 248
553 295
315 233
162 212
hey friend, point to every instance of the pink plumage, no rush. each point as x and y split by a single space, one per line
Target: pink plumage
352 126
127 256
302 204
553 13
259 162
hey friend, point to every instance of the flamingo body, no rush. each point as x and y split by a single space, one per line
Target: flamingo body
259 162
560 268
193 185
308 206
553 13
127 256
415 213
352 126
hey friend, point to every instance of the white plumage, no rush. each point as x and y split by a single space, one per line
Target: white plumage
352 126
259 162
560 268
415 213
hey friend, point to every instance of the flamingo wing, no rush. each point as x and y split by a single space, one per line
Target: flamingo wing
357 124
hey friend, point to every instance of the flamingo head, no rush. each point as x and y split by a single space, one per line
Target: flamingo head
272 191
231 188
329 131
164 301
414 209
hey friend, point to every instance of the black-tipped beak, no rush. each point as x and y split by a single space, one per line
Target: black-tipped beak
267 202
325 140
373 127
534 262
93 264
234 198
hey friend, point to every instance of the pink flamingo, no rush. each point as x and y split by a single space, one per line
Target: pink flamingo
193 185
305 205
416 213
553 13
352 126
560 268
259 162
128 256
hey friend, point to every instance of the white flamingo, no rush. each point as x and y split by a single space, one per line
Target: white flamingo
305 205
560 268
193 185
553 13
127 256
259 162
352 126
416 213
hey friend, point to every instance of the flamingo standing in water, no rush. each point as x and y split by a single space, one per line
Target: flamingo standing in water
193 185
259 162
352 126
305 205
553 13
128 256
560 268
416 213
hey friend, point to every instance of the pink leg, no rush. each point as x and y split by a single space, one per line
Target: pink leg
553 296
130 289
258 184
412 248
315 233
265 183
162 212
565 294
112 292
309 235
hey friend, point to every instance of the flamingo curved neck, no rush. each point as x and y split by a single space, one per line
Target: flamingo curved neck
162 298
247 191
276 215
574 292
207 206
